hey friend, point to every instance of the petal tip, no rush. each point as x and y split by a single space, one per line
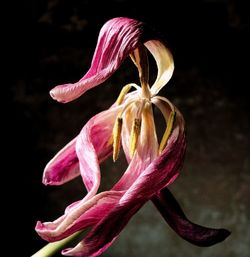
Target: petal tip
58 93
39 226
46 181
53 94
224 233
210 237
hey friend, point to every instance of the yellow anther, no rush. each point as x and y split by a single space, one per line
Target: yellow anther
168 131
136 128
117 138
123 93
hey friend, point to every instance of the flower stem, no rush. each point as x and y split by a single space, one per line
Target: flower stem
52 248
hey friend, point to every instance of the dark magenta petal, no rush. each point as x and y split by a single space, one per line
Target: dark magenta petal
177 220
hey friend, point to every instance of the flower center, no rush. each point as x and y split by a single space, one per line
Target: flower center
136 103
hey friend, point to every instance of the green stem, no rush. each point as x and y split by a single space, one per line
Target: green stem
52 248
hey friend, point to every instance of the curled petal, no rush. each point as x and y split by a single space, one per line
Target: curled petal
104 234
164 61
175 217
81 216
162 171
63 167
95 138
92 146
117 39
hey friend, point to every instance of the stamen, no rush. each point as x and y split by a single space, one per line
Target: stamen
117 138
164 100
169 118
136 128
123 93
168 131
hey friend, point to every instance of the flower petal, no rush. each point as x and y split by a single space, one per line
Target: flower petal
81 216
117 39
63 167
147 147
162 171
193 233
95 138
92 146
164 61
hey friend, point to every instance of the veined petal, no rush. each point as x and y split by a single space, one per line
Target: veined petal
92 146
81 216
105 233
95 138
164 61
63 167
162 171
175 217
117 39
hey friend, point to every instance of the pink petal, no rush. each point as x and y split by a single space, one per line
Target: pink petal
84 214
117 38
93 145
162 171
63 167
95 138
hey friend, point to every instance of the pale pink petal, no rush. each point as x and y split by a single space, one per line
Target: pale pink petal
85 214
117 39
162 171
63 167
95 138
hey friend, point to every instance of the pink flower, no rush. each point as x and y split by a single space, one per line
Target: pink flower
128 123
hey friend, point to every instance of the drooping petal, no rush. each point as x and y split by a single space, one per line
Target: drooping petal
81 216
117 39
92 146
95 138
63 167
162 171
175 217
103 235
164 61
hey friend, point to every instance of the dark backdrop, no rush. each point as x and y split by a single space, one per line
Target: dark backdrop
52 42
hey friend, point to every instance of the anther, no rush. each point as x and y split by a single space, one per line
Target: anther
168 131
136 128
123 93
117 138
